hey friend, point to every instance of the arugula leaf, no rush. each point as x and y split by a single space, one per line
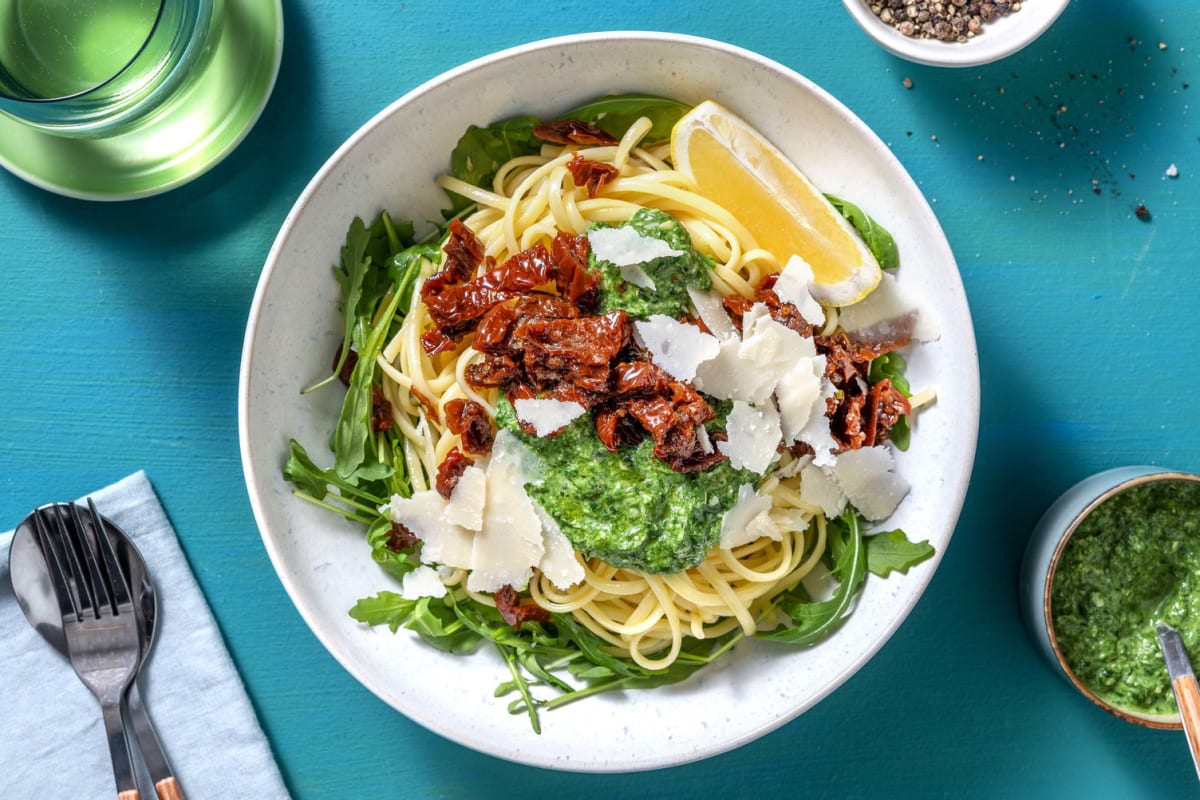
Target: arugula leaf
614 113
481 151
353 430
878 240
891 366
350 275
811 621
358 501
385 608
891 551
431 619
405 267
900 434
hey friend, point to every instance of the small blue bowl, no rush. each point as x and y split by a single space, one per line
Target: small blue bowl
1042 553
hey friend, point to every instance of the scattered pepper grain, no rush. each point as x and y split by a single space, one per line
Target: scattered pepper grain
1141 212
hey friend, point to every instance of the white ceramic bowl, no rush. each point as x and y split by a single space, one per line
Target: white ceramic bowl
1042 552
294 327
1000 38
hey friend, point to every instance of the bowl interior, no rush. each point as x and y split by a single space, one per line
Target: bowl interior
1167 721
390 163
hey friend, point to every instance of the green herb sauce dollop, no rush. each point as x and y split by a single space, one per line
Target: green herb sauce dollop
1133 560
672 275
627 508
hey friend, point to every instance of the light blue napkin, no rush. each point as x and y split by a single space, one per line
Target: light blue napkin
190 686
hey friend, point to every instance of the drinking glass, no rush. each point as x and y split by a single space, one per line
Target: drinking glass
110 99
98 67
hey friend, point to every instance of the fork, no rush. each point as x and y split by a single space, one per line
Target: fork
99 622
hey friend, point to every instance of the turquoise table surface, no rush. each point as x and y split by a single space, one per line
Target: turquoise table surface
122 328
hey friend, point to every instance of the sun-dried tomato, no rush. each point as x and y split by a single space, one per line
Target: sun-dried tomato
450 470
736 306
885 405
457 309
572 131
781 311
431 412
433 341
843 361
847 423
647 401
470 421
491 336
399 538
464 253
616 429
516 613
493 372
580 351
576 283
347 368
381 411
592 175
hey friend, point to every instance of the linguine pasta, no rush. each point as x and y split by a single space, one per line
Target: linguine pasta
644 617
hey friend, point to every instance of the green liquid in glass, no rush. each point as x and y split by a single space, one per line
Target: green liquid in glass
56 48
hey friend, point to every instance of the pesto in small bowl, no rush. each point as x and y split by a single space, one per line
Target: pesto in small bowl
1133 560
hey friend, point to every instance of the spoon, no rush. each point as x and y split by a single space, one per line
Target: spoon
1183 683
35 594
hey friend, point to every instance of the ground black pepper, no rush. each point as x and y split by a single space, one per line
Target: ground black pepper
947 20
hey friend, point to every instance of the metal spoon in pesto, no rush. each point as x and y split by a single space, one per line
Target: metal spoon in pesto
1183 683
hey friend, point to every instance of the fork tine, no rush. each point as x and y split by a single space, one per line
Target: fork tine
117 582
67 601
77 536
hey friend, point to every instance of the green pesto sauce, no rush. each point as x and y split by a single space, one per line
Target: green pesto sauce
1132 561
627 508
672 275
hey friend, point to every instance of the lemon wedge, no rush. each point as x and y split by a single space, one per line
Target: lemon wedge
734 166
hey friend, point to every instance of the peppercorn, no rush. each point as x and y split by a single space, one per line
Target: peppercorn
946 20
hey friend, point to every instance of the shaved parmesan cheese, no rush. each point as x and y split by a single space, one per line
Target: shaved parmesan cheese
624 246
746 519
547 416
868 478
798 394
425 515
712 313
749 369
559 562
510 544
818 489
677 347
422 582
466 501
815 432
633 273
793 286
754 436
725 375
887 314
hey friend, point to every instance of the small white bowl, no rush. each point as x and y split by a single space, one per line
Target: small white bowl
1001 37
1042 554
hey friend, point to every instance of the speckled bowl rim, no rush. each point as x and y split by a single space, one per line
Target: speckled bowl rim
1158 721
1001 37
